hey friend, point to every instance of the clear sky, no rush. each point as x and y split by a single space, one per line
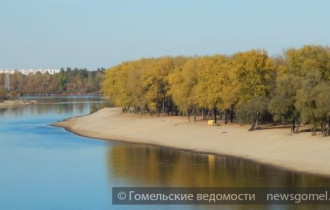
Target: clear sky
103 33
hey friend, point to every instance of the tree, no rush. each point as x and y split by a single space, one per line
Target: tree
282 103
251 75
115 86
313 102
2 94
155 82
182 81
294 88
311 66
321 94
210 80
252 111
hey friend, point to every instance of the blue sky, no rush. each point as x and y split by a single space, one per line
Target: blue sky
103 33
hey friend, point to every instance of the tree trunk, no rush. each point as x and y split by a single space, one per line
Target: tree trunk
188 115
255 123
126 108
323 128
257 120
203 114
195 117
253 126
328 128
297 128
226 117
231 114
293 126
214 116
313 130
163 106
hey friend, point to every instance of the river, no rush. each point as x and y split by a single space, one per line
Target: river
45 167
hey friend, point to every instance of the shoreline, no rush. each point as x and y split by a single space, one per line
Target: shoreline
275 147
16 102
195 151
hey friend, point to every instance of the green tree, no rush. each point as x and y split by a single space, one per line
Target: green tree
252 111
310 64
282 103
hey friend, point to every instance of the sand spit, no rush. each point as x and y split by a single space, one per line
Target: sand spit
299 152
17 102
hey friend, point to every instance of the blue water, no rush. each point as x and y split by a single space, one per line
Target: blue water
45 167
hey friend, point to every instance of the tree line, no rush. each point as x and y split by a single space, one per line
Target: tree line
67 81
249 87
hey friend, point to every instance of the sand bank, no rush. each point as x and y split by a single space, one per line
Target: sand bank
299 152
17 102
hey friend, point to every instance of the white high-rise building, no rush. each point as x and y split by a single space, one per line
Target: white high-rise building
29 71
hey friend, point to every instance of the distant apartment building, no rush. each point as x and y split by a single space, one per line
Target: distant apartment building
30 71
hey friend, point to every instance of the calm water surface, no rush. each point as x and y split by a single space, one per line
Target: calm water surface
44 167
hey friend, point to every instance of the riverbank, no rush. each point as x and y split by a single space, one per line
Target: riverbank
299 152
16 102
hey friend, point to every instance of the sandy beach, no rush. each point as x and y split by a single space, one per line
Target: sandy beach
17 102
299 152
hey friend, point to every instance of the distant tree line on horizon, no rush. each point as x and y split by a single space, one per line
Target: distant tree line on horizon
67 81
249 87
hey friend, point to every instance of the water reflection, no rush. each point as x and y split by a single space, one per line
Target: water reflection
44 167
53 105
156 166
